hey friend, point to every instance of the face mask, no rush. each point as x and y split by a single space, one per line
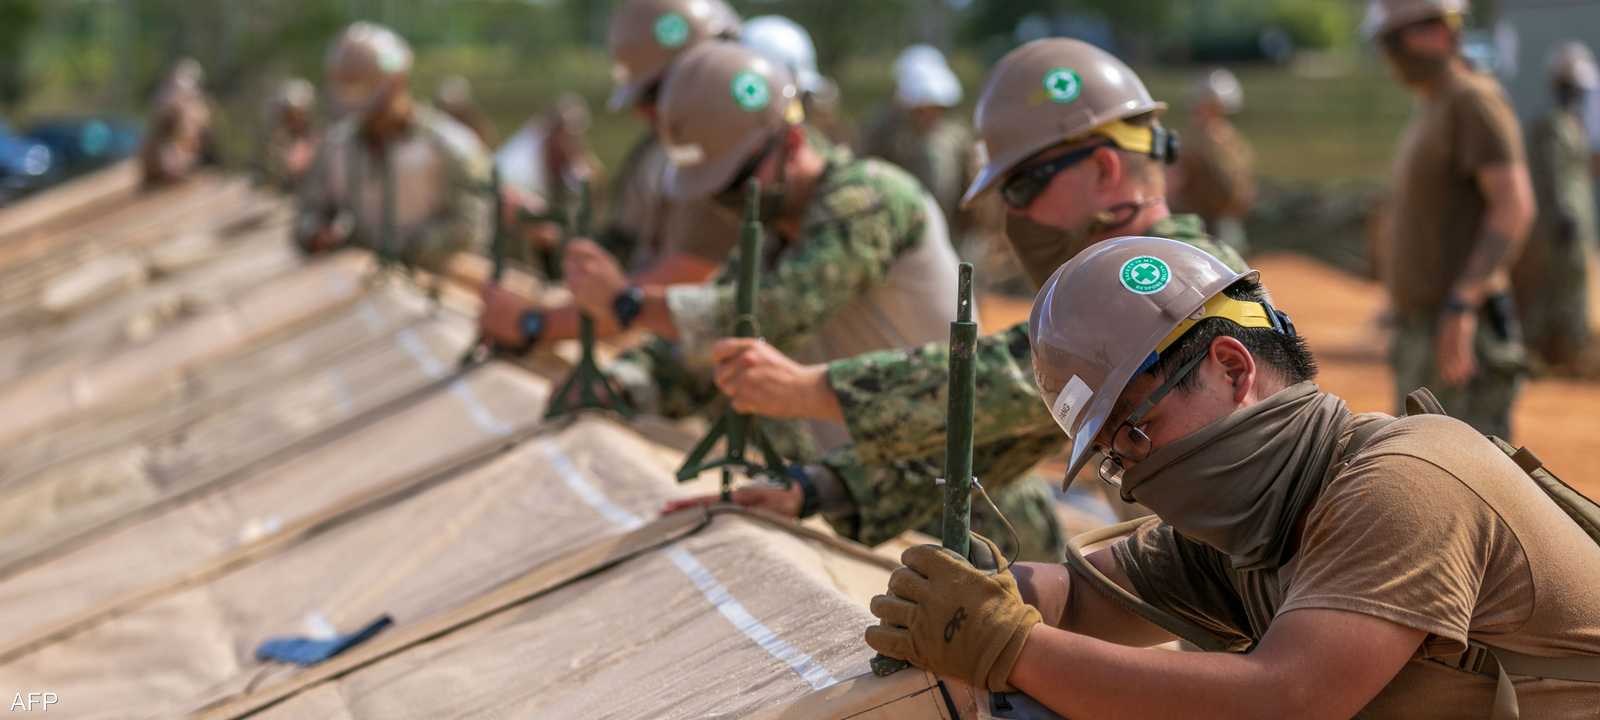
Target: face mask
1042 249
1415 69
1241 483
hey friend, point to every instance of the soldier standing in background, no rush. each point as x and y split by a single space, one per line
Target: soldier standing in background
178 132
1215 174
916 131
1552 278
291 140
400 178
1463 204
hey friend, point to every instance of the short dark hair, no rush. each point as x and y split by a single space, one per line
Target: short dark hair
1286 354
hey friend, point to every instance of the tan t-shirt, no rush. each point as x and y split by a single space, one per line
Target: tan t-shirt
1431 527
1438 207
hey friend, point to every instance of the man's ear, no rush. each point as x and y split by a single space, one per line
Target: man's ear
1109 163
1238 365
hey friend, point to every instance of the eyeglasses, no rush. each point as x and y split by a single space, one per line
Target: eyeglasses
1020 190
1129 443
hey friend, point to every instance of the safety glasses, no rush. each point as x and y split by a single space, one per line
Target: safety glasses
1129 443
1023 187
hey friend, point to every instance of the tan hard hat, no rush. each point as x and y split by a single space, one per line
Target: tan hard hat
1386 16
721 104
1047 92
1105 315
647 35
364 61
1572 63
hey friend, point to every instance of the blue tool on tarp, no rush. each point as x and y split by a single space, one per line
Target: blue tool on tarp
310 651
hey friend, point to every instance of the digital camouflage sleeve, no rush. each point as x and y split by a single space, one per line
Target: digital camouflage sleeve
894 404
859 222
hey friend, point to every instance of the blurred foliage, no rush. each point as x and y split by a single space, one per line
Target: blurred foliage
17 20
99 56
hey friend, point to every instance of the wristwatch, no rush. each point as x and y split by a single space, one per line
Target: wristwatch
531 323
627 305
810 499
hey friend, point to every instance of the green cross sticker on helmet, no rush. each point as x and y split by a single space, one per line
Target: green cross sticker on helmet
750 91
1063 84
671 30
1145 275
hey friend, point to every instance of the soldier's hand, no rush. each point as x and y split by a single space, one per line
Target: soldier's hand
1453 348
946 616
761 380
594 277
500 319
784 501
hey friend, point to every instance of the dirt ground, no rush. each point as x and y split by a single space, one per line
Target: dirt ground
1337 313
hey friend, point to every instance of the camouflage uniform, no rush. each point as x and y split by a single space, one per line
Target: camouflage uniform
867 225
440 173
894 404
1551 278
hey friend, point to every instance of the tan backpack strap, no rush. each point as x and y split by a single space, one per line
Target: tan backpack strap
1421 401
1525 459
1501 664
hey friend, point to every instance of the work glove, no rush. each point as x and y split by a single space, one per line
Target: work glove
946 616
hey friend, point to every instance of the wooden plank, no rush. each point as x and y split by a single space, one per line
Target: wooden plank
36 213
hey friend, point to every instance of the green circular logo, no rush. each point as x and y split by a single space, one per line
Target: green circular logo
1145 275
750 91
671 30
1063 85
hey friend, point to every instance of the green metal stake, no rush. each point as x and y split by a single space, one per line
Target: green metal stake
594 390
957 528
738 428
483 347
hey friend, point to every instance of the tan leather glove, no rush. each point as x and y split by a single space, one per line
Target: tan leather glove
944 615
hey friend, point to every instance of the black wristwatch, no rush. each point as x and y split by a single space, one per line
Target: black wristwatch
531 323
810 499
627 305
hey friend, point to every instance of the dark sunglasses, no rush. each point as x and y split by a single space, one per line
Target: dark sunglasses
1023 187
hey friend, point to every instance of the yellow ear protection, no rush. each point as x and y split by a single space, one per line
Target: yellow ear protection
1244 313
1153 140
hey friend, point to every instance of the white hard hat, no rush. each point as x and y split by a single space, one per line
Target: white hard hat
923 84
783 40
918 55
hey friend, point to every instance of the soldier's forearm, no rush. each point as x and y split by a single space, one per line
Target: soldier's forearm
1509 213
1486 267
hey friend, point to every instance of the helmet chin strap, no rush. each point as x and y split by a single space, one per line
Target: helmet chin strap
1120 215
